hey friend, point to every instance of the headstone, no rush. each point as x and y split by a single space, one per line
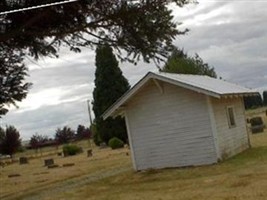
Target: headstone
89 152
52 166
2 164
80 150
102 145
23 160
48 162
65 154
68 164
13 175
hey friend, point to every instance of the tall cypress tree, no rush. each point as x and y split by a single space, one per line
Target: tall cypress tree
110 84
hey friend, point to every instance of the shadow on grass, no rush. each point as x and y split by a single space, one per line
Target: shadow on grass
251 157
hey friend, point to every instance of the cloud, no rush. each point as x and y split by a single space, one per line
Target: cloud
48 118
229 35
230 39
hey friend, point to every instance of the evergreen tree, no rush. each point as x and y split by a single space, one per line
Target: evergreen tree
264 98
109 86
179 62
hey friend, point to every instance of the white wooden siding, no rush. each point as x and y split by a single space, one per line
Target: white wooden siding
230 140
170 129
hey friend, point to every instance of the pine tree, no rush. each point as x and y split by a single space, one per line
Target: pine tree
110 84
179 62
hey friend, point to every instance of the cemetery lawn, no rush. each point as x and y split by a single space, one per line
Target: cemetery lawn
108 175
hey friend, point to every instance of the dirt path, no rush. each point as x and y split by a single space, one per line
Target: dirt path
69 184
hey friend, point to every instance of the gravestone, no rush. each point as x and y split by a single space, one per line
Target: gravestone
68 164
89 152
13 175
48 162
23 160
52 166
103 145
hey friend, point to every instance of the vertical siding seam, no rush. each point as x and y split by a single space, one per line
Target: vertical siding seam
213 127
130 140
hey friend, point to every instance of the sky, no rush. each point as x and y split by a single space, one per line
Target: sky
230 36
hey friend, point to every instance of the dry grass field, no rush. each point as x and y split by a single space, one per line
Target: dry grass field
108 176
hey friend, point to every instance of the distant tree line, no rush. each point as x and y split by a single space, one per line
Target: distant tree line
255 101
10 141
62 136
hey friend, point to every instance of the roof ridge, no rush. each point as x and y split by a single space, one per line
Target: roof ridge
183 74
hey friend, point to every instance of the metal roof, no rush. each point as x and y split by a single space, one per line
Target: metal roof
203 84
207 83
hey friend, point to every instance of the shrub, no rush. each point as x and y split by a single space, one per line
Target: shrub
71 149
115 143
257 125
97 139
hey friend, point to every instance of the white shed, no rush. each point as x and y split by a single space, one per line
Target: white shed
178 120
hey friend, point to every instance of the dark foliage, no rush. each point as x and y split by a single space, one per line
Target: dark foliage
12 74
115 143
96 138
141 28
179 62
2 137
252 102
71 149
82 132
38 141
64 135
109 86
9 140
264 98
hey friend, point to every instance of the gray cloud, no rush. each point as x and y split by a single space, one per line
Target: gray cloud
233 41
46 119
